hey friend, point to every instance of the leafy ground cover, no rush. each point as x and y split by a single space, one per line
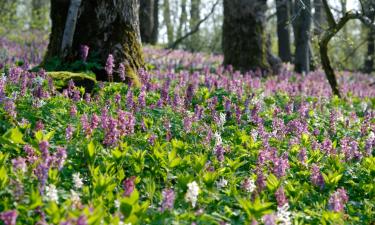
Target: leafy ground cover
195 144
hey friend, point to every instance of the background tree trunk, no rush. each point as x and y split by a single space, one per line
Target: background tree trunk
283 31
148 25
194 19
369 61
302 36
167 21
244 41
318 17
183 19
107 27
155 31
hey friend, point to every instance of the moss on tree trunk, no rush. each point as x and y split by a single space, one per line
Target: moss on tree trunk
107 27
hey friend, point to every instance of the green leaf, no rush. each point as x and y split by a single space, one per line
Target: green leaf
14 135
272 182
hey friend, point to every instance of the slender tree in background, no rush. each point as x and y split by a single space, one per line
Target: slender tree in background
302 25
370 54
106 26
283 30
148 21
244 40
194 19
318 17
369 60
167 21
183 19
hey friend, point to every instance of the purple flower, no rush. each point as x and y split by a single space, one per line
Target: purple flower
10 108
111 134
302 156
121 69
219 152
129 99
128 186
338 200
39 125
9 217
168 199
73 111
269 219
43 147
82 220
280 197
280 166
69 132
126 122
60 157
316 176
84 52
19 164
109 66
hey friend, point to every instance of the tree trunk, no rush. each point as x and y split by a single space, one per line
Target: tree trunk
148 24
318 17
155 31
183 19
369 61
167 21
302 36
194 19
107 27
244 40
282 12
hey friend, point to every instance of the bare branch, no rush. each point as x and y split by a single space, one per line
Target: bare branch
195 29
330 18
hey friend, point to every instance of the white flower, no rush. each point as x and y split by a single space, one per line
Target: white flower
371 136
74 197
283 215
192 193
218 140
51 193
222 183
249 185
77 181
222 119
117 204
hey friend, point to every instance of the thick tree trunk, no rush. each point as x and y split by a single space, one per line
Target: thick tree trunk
283 31
194 19
155 31
107 27
167 21
244 40
302 36
148 24
369 61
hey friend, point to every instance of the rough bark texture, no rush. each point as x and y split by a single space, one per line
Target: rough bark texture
302 25
148 21
283 30
70 26
318 17
107 27
244 41
369 61
155 31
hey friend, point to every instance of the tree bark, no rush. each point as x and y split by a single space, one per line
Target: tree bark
107 27
167 21
244 40
70 26
283 30
302 36
369 61
148 21
183 19
194 19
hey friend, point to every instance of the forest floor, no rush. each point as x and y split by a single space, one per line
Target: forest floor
196 143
